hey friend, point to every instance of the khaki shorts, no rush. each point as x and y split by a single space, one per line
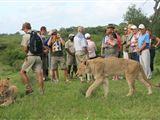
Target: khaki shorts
55 61
71 60
80 56
32 62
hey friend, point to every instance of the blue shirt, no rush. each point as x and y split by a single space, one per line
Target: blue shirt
144 38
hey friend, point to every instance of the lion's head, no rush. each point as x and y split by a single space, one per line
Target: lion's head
4 85
83 68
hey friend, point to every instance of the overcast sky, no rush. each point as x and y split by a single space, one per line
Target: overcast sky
65 13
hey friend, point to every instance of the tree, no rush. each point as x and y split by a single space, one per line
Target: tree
121 27
155 18
156 14
135 16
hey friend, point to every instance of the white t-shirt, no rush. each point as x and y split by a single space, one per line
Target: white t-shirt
79 42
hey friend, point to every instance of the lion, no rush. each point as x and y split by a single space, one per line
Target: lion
8 92
101 68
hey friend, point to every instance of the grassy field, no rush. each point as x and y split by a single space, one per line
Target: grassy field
66 101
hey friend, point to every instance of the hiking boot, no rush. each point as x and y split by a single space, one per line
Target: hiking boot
29 91
41 92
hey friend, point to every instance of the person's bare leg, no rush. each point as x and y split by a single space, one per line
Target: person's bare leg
53 75
26 81
57 74
69 71
66 75
39 75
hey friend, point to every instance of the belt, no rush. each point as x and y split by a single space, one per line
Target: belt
145 49
34 55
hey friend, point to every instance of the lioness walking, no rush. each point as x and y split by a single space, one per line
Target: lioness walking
103 67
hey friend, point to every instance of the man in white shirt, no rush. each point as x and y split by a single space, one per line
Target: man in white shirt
80 45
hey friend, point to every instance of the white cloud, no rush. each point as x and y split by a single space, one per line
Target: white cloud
56 14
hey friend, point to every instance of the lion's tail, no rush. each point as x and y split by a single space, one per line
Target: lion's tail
145 77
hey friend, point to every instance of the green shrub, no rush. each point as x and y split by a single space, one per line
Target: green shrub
13 57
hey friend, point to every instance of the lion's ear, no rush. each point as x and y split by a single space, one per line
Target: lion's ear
86 62
8 78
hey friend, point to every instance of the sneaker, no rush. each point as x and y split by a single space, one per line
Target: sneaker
121 77
67 81
82 81
55 80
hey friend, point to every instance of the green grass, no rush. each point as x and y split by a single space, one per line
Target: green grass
64 101
67 101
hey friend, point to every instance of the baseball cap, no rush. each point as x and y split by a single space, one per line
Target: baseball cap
133 27
26 25
141 26
87 35
54 31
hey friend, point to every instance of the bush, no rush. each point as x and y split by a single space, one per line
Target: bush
12 57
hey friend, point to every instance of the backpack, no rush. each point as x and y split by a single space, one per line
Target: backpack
35 44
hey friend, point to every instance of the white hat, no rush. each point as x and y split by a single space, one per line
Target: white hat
129 26
71 35
133 27
54 31
141 26
87 35
124 28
